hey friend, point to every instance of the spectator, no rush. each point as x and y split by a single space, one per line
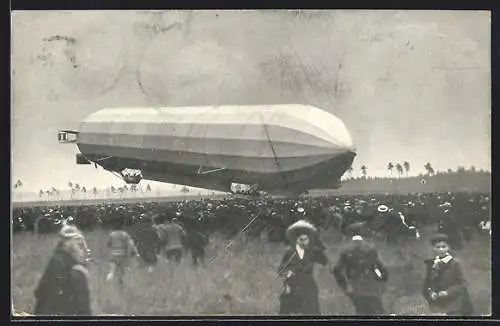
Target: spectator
445 285
147 239
195 241
64 287
122 247
300 294
174 234
362 276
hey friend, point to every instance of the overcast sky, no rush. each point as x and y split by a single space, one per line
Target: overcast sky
410 86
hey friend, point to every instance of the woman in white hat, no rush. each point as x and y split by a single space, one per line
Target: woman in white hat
64 288
300 295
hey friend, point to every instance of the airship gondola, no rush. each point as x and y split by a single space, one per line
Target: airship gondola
276 147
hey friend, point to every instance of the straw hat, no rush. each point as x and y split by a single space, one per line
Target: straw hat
70 232
298 228
382 208
445 204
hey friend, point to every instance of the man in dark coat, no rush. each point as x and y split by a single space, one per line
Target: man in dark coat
195 240
445 285
147 240
174 237
362 276
63 288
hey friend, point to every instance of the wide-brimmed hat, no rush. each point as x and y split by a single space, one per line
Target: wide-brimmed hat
70 232
298 228
382 208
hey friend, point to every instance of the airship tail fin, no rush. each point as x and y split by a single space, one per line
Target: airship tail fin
67 136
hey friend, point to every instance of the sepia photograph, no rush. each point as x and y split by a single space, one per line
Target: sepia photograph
251 163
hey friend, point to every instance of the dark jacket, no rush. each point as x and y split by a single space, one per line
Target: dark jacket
355 271
303 295
63 288
447 277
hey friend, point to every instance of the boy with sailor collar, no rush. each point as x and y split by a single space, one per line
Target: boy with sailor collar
445 285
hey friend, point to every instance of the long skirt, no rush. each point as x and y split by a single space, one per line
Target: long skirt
302 299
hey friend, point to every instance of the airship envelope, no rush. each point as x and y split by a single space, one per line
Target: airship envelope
294 147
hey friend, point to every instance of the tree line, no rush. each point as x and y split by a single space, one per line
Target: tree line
404 168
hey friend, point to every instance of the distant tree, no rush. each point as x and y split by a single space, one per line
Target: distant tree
94 191
429 169
390 166
450 171
472 169
77 186
148 188
70 184
125 188
399 168
460 169
363 170
40 193
113 190
406 165
19 184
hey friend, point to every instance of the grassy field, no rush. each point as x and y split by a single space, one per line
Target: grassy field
245 273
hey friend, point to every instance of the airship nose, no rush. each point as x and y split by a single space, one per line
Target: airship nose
346 142
343 141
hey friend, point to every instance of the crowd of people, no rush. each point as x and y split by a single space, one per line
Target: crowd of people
457 214
150 229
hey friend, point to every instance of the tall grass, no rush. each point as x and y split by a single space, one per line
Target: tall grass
239 281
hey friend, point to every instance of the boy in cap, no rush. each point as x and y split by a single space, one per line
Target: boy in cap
361 275
445 286
122 247
64 286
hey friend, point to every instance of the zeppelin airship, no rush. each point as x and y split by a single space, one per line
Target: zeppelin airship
291 148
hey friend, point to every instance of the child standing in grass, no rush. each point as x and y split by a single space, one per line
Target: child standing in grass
445 286
121 247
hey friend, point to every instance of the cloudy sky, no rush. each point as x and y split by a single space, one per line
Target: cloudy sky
410 86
